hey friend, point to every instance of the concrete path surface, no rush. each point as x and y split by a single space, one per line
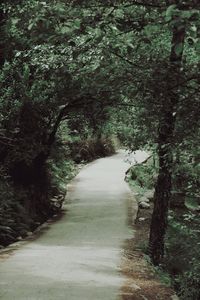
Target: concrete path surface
79 256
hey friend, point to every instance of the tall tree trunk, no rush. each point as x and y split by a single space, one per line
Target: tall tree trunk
165 143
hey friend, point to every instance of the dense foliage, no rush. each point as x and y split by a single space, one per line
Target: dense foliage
81 71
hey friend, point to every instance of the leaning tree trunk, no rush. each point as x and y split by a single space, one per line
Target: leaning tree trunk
165 141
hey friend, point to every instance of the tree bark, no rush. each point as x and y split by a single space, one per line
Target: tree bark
163 188
42 157
52 135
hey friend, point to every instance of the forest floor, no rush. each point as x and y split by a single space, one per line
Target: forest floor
143 282
92 252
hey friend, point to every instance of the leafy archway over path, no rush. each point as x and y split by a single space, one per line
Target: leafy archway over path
70 56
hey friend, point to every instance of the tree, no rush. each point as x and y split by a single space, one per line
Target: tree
65 58
167 122
165 142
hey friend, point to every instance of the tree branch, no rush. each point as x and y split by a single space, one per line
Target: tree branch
125 59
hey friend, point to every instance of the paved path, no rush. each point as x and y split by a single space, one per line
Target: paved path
78 257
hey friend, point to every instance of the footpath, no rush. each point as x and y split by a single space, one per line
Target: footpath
88 254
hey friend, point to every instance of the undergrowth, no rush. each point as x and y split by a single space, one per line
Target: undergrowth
181 265
23 207
183 258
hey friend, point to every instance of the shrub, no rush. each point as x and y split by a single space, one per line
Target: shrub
183 258
90 149
144 174
14 219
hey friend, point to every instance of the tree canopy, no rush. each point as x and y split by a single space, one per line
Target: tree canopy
130 68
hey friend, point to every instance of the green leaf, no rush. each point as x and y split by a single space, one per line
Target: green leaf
119 13
150 30
190 14
65 29
30 26
169 12
77 23
179 48
15 21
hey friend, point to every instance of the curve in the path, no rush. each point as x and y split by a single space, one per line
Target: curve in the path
78 257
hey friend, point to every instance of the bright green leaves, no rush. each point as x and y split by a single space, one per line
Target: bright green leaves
77 23
15 21
26 72
151 30
30 26
119 13
170 12
60 9
191 15
65 29
173 12
70 27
